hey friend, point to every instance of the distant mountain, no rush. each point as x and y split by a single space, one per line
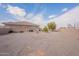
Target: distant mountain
70 17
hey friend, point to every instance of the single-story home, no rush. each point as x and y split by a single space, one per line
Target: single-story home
4 30
22 26
68 29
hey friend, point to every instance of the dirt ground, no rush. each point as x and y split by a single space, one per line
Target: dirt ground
40 44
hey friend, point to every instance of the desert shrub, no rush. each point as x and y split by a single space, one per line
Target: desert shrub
51 26
45 29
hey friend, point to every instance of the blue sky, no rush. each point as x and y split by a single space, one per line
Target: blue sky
38 12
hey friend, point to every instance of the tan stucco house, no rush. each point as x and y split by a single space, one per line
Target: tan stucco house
68 29
22 26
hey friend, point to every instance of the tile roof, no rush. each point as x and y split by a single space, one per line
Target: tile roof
20 23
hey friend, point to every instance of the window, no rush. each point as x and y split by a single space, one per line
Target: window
30 30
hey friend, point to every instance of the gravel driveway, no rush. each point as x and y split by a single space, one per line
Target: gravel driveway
40 44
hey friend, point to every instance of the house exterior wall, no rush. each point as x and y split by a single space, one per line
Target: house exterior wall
4 30
33 28
72 29
23 28
17 28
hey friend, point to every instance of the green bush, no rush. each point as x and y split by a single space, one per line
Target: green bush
45 29
51 26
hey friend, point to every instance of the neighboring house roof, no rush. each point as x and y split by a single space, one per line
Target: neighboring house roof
20 23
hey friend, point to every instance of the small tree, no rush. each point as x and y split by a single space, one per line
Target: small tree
45 29
51 26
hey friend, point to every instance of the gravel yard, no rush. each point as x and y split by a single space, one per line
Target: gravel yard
40 44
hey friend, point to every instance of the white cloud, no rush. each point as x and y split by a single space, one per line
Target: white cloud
20 14
70 17
7 20
30 15
64 9
52 16
16 11
38 19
